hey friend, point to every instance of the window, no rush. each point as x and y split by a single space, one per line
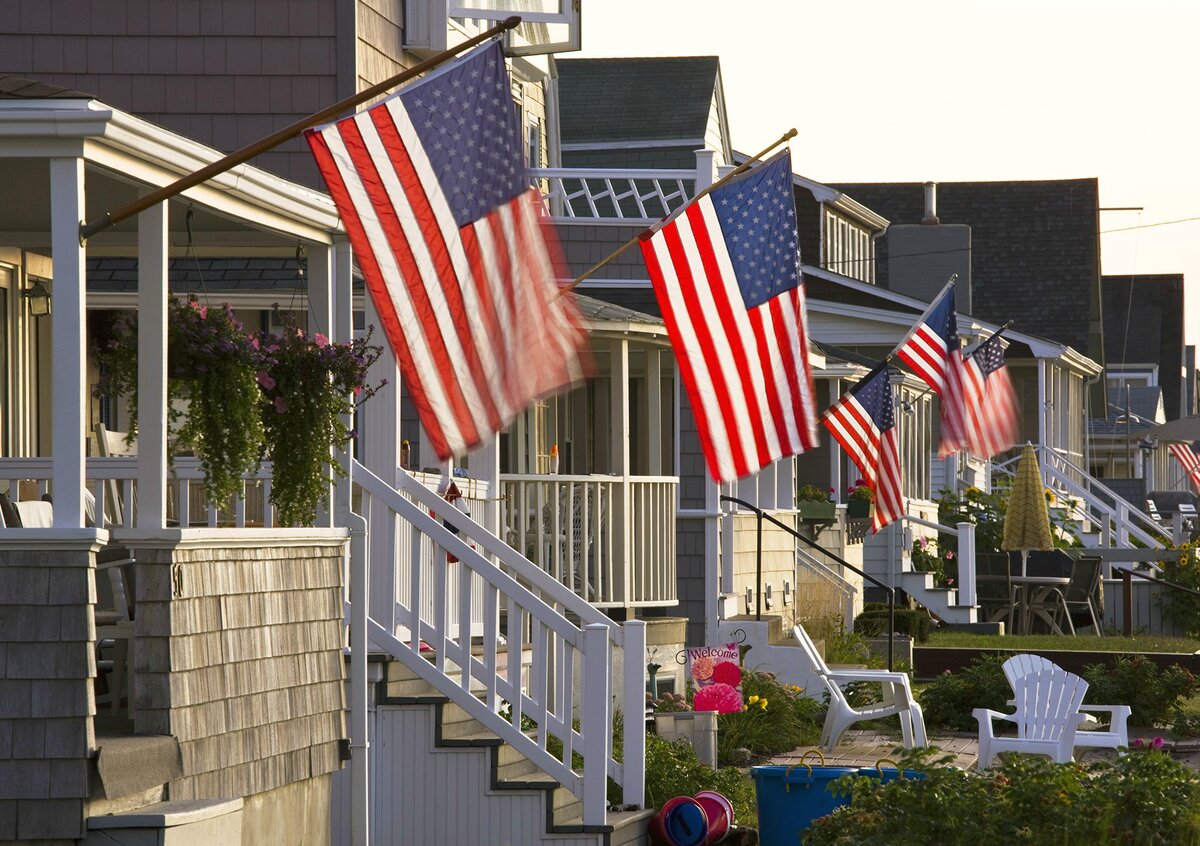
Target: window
547 26
849 248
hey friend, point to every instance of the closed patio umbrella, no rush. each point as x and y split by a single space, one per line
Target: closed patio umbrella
1027 523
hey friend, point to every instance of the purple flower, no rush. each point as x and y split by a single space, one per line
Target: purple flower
264 379
1138 743
280 405
1157 743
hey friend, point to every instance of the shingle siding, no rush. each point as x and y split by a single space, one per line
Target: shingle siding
1035 250
1143 323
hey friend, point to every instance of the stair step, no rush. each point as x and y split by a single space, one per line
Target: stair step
215 822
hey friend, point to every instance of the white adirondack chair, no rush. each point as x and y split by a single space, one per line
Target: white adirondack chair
1047 717
1116 736
897 698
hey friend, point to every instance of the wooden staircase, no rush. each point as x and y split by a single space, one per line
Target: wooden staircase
441 777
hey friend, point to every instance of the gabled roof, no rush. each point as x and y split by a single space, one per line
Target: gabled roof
1034 247
636 99
19 88
1145 407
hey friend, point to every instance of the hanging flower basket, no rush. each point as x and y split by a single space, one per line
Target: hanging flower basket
817 511
857 509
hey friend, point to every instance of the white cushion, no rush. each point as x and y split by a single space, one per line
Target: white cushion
36 514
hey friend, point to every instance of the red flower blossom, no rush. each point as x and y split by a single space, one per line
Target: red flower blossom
728 673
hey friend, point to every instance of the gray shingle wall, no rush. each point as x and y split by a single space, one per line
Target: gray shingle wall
224 72
1143 323
584 244
668 158
46 668
689 539
245 667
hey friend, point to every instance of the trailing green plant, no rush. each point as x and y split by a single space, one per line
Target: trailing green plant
775 718
929 556
673 770
1141 798
859 491
949 699
211 363
986 510
307 387
1153 693
815 493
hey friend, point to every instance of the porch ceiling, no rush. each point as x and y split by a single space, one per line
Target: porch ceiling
245 210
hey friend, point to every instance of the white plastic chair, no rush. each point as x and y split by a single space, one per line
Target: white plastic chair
1047 716
1116 736
897 698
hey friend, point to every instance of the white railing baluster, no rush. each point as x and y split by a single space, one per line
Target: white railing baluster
464 622
633 782
537 681
491 626
440 612
596 724
599 187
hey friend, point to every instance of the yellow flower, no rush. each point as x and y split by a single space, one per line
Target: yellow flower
763 703
1049 496
1185 560
752 699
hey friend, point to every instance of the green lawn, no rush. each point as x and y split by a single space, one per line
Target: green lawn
1087 643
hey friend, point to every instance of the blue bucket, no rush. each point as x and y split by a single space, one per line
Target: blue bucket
886 774
790 798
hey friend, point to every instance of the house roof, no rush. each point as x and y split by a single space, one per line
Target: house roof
1143 324
599 311
192 275
1145 407
636 99
1034 247
19 88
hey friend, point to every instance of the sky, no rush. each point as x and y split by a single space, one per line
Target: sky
958 90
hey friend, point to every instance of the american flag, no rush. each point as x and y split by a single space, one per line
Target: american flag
1187 458
455 249
727 275
931 349
991 403
863 421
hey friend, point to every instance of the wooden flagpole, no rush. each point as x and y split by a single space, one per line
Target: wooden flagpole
86 230
742 168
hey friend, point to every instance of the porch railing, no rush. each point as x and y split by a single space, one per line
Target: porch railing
1119 522
525 612
621 195
610 540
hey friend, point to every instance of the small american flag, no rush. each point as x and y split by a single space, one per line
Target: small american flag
454 248
863 421
992 416
931 349
1187 458
727 275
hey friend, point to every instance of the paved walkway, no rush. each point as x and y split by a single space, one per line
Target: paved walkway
867 748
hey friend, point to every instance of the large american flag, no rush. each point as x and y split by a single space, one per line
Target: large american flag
992 416
1187 458
727 275
863 421
455 249
931 349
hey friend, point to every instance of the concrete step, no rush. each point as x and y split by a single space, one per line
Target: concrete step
187 822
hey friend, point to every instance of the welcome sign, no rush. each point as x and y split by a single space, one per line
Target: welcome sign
717 676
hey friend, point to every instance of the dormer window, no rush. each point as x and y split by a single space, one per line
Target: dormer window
547 26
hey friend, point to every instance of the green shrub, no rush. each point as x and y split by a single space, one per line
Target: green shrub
1180 607
873 621
1144 797
1153 693
949 699
673 770
776 718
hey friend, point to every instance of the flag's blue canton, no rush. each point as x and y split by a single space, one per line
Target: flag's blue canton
989 356
757 215
467 124
874 394
944 320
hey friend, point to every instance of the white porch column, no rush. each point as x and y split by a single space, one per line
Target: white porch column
618 386
68 298
152 368
1042 399
379 446
835 450
321 319
654 409
342 323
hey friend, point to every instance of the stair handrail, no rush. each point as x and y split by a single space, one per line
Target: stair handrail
812 544
527 589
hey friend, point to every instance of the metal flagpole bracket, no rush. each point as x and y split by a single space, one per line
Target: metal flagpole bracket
87 230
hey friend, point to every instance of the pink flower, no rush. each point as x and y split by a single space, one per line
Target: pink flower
727 672
718 697
1156 743
358 389
280 405
203 312
264 379
949 554
254 343
924 543
320 340
299 332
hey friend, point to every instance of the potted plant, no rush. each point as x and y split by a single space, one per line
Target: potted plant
211 363
814 503
858 500
306 385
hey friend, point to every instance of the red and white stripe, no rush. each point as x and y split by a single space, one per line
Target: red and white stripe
875 453
746 371
992 415
1188 459
470 313
942 369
